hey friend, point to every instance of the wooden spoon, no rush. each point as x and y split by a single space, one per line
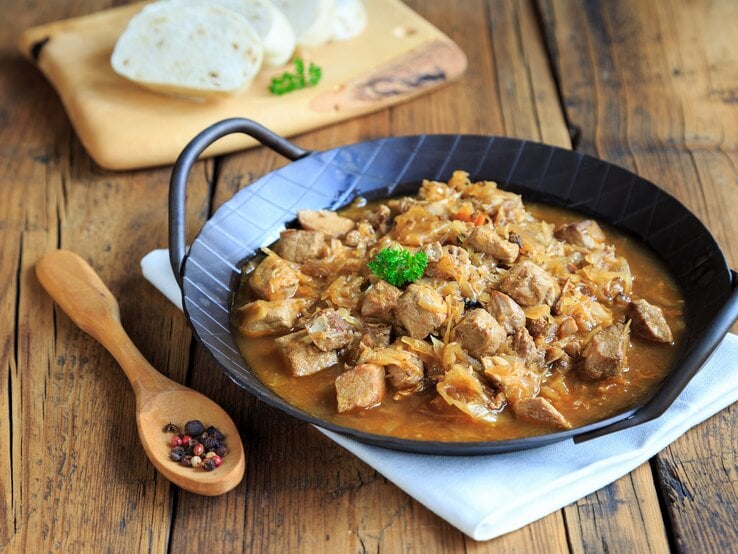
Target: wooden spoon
78 290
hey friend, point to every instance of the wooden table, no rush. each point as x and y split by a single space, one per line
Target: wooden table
652 86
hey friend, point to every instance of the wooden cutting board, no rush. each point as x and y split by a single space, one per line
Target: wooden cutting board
123 126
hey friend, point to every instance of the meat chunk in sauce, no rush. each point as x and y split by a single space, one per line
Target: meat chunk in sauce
648 321
462 389
485 239
373 337
584 233
511 376
540 410
524 345
407 371
379 300
604 355
326 221
329 330
530 285
479 333
360 387
506 311
274 279
297 245
303 356
420 310
262 317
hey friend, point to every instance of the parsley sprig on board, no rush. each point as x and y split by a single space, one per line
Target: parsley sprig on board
287 82
398 266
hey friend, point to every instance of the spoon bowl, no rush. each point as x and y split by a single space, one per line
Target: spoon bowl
78 290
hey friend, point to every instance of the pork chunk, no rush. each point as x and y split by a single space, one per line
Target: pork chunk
479 333
648 321
605 354
274 279
420 310
506 311
374 337
262 317
408 373
530 285
303 356
584 233
525 346
325 221
540 410
297 245
329 330
361 387
485 239
379 300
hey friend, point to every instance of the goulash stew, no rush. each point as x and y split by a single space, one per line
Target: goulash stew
459 314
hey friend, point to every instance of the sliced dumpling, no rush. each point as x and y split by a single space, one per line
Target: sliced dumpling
270 24
312 20
350 20
189 50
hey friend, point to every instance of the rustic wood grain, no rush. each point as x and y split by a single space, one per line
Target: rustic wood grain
652 86
665 81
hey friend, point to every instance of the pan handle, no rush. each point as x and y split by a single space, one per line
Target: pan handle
188 157
693 360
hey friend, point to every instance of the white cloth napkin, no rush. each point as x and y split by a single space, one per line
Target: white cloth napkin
487 496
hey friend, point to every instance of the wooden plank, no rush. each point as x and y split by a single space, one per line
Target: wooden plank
665 84
75 479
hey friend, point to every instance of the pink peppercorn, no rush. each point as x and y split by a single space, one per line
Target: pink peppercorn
176 441
198 449
217 460
186 439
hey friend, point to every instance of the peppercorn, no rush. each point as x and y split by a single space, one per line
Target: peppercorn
208 465
198 449
221 450
186 439
217 460
196 461
176 441
186 461
194 427
211 443
177 453
213 431
210 455
170 428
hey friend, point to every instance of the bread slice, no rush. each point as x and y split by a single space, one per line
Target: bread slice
195 50
270 24
312 20
350 20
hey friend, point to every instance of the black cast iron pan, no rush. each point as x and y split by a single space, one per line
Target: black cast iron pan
208 274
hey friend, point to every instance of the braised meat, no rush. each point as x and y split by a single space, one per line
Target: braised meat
460 304
605 353
586 234
262 317
506 311
479 333
360 387
420 310
274 279
485 239
325 221
529 285
298 246
329 330
303 356
648 321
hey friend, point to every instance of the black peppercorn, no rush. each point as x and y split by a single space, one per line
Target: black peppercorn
186 461
171 428
213 431
208 465
194 427
221 451
211 443
177 453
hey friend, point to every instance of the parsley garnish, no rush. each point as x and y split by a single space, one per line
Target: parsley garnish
287 82
398 266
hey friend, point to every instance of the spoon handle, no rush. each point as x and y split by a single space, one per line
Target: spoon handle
80 292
